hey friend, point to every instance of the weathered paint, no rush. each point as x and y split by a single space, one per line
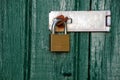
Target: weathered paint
104 54
44 64
12 39
24 43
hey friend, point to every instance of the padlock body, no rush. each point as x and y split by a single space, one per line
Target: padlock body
60 43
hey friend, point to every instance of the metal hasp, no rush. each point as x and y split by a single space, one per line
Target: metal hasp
84 21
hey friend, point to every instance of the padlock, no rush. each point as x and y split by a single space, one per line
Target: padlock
59 42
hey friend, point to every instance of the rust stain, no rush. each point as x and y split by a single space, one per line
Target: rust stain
60 25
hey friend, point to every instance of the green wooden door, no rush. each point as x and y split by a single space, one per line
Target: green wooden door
24 43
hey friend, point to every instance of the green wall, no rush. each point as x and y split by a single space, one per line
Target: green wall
24 43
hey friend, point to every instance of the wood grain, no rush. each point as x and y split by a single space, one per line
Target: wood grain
46 65
0 40
114 56
12 36
24 43
104 53
81 63
100 47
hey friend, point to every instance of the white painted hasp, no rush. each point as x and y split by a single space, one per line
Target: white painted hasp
84 21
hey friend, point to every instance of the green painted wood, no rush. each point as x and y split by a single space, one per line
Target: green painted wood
81 45
12 39
24 43
44 64
0 41
100 47
114 57
52 66
104 52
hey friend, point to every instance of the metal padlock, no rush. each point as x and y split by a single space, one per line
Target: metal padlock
59 42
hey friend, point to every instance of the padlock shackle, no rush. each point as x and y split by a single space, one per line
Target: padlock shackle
55 21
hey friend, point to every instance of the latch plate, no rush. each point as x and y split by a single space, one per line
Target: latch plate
84 21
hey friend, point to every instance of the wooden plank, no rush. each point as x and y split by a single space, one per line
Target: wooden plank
12 39
44 64
0 40
52 66
114 57
105 49
81 46
100 47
